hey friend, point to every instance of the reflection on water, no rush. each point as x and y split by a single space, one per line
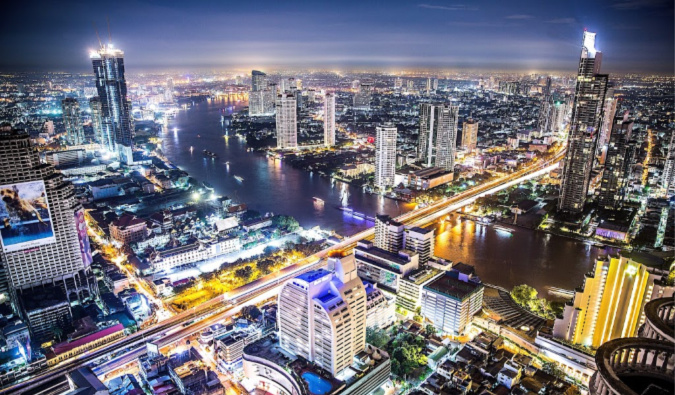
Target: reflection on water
269 185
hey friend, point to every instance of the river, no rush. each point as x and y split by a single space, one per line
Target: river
500 258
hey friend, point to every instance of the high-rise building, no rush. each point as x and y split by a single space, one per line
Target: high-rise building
101 135
450 302
385 268
587 115
618 160
434 84
610 304
261 96
48 245
398 83
606 129
385 155
421 241
329 120
668 177
437 135
389 233
322 315
363 97
470 134
168 90
111 84
287 121
72 121
545 119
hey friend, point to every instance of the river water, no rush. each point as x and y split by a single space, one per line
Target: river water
500 258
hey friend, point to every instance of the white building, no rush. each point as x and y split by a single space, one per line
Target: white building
287 121
380 309
322 315
385 156
329 120
450 303
438 135
383 267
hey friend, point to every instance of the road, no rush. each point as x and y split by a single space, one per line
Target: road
222 306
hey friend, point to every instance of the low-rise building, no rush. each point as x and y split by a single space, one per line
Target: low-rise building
66 350
385 268
128 229
450 303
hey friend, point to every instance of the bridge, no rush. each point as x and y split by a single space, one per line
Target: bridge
227 304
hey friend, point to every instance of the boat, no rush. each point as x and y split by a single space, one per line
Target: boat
227 163
238 178
208 186
318 200
210 154
503 228
191 149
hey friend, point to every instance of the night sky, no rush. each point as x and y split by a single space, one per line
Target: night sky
523 35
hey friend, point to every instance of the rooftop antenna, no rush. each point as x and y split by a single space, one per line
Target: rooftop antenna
109 35
97 36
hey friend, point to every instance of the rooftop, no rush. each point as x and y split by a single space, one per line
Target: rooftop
450 285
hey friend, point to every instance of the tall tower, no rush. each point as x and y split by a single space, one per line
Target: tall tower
438 135
100 135
287 122
47 244
470 134
108 65
258 81
544 123
72 121
617 163
329 120
587 115
668 178
385 155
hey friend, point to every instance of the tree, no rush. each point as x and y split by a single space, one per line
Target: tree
265 265
431 330
377 337
244 272
251 312
525 296
57 331
553 369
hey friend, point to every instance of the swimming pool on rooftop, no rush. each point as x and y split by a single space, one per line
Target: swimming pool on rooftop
317 384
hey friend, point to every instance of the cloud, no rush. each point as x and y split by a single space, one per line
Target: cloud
638 4
520 16
563 21
454 7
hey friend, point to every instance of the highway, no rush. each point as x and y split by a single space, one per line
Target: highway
222 306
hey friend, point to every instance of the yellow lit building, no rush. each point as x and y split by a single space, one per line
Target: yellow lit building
610 303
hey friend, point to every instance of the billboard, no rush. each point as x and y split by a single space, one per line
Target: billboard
85 248
25 221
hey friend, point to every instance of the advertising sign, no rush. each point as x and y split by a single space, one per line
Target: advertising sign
85 248
25 221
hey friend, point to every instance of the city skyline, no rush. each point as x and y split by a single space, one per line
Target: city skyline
518 36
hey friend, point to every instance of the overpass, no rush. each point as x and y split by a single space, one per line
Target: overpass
222 306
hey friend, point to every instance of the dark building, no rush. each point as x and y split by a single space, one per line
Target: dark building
617 163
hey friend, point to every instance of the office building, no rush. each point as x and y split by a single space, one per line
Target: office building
72 121
380 308
111 84
544 123
58 252
470 134
609 113
420 241
389 233
329 120
287 122
398 83
363 97
258 81
587 116
437 135
450 301
618 161
610 304
322 315
383 267
668 177
409 296
385 155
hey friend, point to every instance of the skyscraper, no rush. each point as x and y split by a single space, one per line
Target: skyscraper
470 134
385 155
322 315
49 245
287 122
544 124
389 234
100 135
607 125
437 135
363 97
329 120
108 65
587 115
261 96
72 121
668 178
617 163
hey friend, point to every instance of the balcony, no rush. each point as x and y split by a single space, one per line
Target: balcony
659 320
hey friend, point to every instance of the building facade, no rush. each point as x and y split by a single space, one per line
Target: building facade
618 159
450 303
438 135
72 121
287 121
470 134
385 156
329 120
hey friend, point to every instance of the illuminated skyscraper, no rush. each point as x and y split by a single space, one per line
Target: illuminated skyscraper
617 163
668 178
72 121
587 115
287 121
610 304
322 315
261 96
363 97
329 120
108 65
438 135
385 155
100 135
545 121
258 81
470 134
607 125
